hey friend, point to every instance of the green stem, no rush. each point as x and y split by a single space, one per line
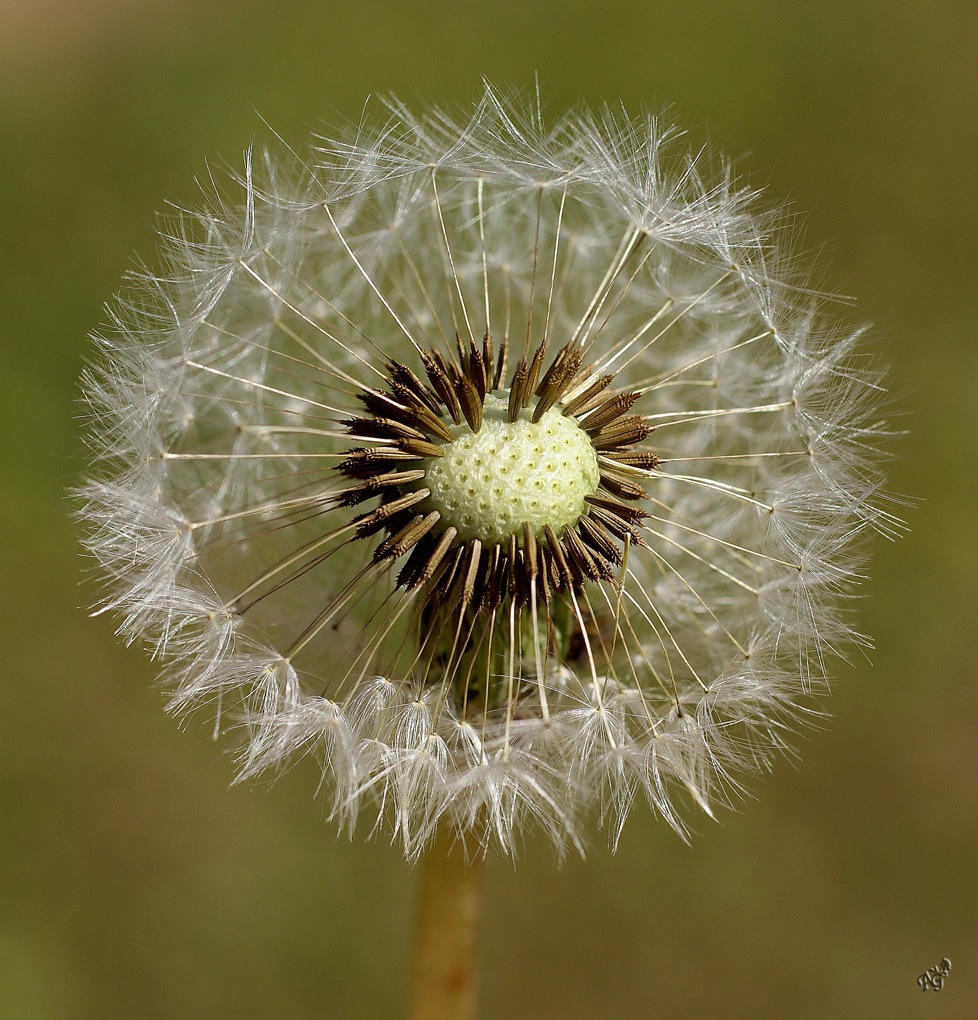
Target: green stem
443 970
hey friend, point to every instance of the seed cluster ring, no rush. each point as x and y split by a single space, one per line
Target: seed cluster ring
410 415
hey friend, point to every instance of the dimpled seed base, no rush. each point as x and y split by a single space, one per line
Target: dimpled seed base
488 484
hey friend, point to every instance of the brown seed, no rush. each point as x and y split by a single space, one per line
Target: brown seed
592 567
421 563
478 371
618 527
438 377
372 460
472 571
421 448
412 533
626 513
582 402
535 367
559 376
517 390
643 459
371 486
598 539
373 521
566 575
470 402
620 485
403 377
383 428
428 422
614 407
626 431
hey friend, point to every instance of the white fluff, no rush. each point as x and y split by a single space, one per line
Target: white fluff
216 410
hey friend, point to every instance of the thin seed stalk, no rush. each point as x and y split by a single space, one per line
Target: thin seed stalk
443 978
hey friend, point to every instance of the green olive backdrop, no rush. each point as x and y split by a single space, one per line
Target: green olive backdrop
135 883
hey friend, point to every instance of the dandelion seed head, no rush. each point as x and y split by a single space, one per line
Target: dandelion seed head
498 464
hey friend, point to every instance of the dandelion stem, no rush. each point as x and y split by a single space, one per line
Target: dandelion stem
443 970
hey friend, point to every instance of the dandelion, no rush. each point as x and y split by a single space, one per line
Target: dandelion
505 466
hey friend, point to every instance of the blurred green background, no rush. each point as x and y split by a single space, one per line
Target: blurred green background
134 883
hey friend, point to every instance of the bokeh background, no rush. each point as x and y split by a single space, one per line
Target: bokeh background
134 883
